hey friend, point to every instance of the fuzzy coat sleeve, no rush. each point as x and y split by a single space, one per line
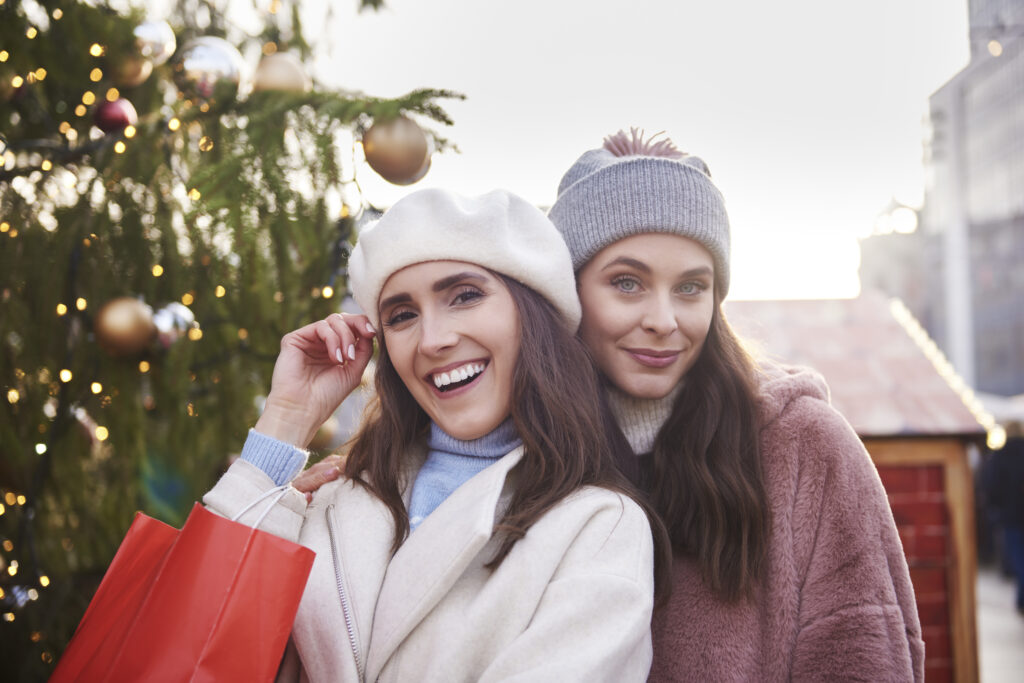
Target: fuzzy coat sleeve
244 484
857 615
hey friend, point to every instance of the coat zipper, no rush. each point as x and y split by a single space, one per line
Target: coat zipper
345 607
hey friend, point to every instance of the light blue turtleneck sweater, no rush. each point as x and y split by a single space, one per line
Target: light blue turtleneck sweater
450 463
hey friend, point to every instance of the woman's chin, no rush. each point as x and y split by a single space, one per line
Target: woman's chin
646 387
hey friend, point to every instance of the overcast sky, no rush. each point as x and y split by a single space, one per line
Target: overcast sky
809 113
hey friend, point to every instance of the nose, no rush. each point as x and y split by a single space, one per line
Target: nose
659 316
437 333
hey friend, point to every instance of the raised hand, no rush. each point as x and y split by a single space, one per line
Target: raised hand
318 366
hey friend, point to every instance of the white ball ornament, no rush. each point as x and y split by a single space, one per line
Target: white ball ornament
281 71
155 41
207 68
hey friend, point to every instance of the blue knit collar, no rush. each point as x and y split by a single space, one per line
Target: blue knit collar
498 442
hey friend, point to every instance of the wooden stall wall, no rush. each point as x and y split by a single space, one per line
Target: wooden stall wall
930 489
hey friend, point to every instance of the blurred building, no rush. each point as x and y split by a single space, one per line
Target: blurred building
961 272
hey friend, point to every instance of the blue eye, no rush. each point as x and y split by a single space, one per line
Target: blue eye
692 288
627 285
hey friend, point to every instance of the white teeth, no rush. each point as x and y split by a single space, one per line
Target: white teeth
458 374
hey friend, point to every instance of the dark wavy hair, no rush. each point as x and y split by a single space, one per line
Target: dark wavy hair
568 442
704 477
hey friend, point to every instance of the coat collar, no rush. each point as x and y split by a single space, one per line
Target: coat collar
434 556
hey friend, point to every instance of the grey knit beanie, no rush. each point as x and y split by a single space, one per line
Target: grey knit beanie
632 186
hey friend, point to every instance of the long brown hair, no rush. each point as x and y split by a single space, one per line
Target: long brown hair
568 437
705 477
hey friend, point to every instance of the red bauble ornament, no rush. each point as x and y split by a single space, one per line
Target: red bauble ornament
115 116
397 149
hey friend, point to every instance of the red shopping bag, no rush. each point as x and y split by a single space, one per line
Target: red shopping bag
213 602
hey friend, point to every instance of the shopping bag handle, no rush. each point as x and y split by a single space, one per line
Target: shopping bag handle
279 490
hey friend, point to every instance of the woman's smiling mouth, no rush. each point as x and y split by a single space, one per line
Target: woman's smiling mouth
653 358
457 377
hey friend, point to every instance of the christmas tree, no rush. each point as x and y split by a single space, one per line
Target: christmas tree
164 220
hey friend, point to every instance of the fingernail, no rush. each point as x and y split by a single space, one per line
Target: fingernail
369 328
337 354
352 351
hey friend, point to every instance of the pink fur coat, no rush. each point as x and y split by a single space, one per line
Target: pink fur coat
837 603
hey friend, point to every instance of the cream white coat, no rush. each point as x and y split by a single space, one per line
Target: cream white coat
571 602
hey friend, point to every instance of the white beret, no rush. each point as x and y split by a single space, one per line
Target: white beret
498 231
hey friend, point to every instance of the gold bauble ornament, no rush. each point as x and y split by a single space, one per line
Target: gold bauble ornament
324 436
397 149
281 71
124 326
131 70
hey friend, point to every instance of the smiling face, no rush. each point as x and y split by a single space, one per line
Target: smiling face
647 307
452 333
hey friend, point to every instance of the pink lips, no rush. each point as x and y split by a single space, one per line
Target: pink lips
652 358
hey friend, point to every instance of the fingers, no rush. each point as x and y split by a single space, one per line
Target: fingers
317 475
338 339
354 335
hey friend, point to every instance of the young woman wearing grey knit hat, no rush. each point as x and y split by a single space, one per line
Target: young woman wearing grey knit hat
478 529
787 561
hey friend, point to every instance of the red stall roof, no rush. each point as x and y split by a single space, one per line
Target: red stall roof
883 371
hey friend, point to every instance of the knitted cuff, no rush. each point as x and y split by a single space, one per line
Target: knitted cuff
281 461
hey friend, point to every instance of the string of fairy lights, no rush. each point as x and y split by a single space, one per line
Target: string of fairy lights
100 117
995 433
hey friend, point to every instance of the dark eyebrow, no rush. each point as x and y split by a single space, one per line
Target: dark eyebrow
439 286
446 282
644 268
392 300
697 272
627 261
